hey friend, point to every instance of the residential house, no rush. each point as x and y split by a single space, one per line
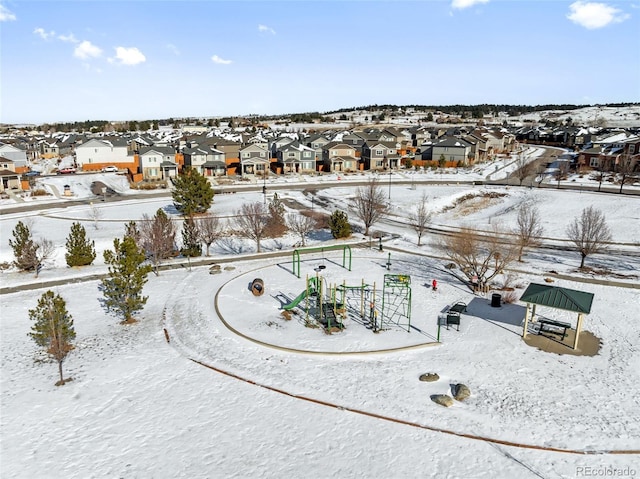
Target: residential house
590 157
631 154
339 157
9 179
195 158
254 160
380 155
216 164
49 148
102 152
296 158
138 142
15 154
317 142
478 146
158 162
452 149
278 143
231 150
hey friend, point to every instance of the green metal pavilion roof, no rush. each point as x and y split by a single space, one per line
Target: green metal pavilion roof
559 298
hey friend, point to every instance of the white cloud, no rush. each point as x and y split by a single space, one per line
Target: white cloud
44 34
68 38
220 61
266 29
6 15
87 50
173 48
128 56
460 4
594 15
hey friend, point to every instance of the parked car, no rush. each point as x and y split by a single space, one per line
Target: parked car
30 174
109 169
66 171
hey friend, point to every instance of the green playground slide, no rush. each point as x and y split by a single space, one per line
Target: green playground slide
295 302
311 288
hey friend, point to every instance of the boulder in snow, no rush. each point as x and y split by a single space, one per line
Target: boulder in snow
442 399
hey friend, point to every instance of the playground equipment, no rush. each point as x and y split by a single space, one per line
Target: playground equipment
396 301
296 255
330 305
257 287
324 303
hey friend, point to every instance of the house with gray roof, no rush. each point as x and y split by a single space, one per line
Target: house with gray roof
380 155
296 158
158 162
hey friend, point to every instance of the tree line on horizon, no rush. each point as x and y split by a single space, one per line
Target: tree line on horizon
477 111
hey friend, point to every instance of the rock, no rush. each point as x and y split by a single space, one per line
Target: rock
429 377
442 399
215 269
460 392
229 268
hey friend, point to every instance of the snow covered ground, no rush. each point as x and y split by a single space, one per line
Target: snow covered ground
277 400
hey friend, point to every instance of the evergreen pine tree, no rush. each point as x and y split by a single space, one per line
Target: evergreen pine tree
80 250
192 193
122 289
53 328
339 225
131 229
24 247
191 245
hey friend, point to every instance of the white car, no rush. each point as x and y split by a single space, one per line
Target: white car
109 169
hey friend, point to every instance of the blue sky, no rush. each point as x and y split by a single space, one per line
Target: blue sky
122 60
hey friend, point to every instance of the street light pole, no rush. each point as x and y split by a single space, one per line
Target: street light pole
389 165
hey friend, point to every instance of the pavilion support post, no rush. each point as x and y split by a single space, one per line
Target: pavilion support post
578 329
526 321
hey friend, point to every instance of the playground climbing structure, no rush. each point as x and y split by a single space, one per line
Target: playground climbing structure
396 302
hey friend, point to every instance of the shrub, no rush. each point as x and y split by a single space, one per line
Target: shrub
339 225
509 297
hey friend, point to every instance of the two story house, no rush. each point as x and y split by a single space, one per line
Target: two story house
378 156
158 162
296 158
337 156
254 160
102 152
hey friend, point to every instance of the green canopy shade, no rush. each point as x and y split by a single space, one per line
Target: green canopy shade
559 298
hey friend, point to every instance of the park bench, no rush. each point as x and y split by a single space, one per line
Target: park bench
453 314
553 327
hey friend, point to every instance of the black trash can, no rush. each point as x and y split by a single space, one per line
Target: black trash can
496 299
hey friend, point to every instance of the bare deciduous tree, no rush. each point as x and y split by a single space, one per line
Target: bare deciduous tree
420 218
589 233
528 227
158 238
95 215
252 220
370 204
209 230
625 170
598 176
524 168
301 225
480 257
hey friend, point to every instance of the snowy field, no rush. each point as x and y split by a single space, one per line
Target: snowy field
269 397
